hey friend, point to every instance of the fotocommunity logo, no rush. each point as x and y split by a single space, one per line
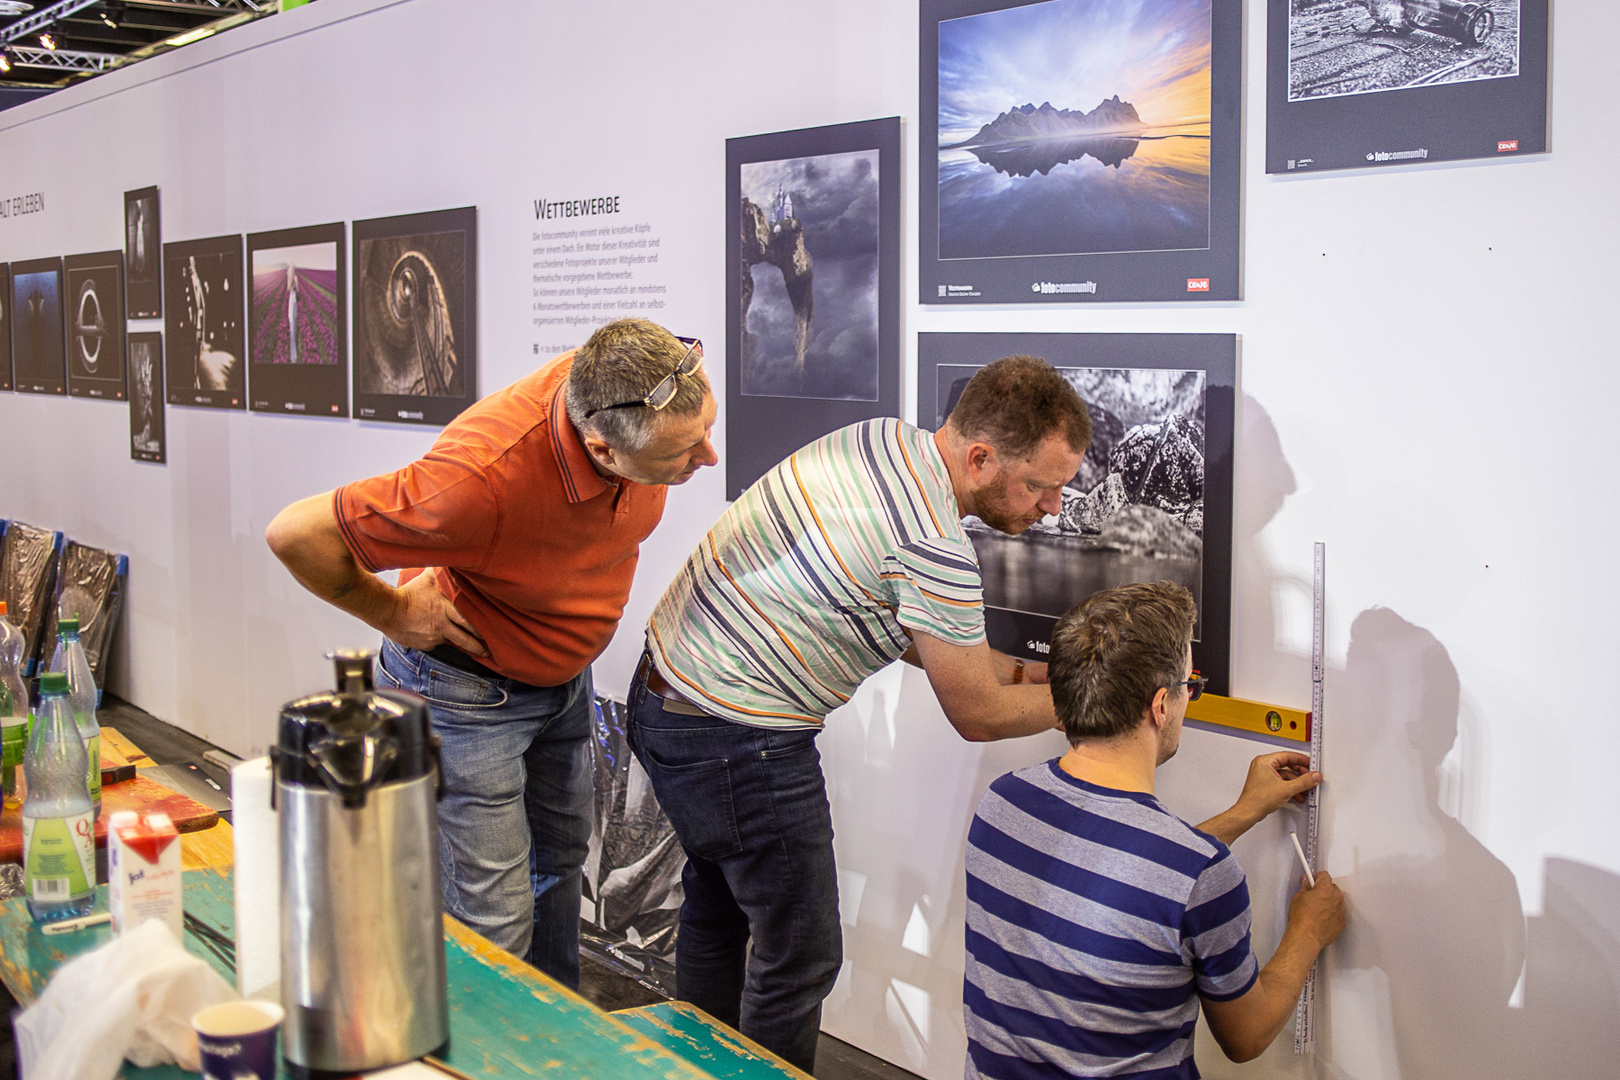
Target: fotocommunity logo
1047 288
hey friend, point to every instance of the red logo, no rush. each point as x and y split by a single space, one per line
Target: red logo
83 827
1198 284
1505 145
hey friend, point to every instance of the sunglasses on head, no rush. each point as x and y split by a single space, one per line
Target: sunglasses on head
662 394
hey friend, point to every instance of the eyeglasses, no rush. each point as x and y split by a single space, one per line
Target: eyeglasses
1194 685
664 393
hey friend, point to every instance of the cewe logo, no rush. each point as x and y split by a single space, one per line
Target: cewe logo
1505 145
1198 284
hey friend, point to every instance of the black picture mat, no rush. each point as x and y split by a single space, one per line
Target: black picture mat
1450 122
205 365
762 431
1017 632
1116 276
449 242
5 326
143 254
147 441
38 353
302 389
93 310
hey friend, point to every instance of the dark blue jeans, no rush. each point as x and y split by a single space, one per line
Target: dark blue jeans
515 820
750 807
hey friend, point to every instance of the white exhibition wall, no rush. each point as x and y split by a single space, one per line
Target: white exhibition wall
1415 345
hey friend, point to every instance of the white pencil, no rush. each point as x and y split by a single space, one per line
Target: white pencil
1301 851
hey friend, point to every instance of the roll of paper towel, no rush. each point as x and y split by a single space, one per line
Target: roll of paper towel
258 880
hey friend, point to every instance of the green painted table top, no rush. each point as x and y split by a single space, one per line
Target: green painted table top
506 1018
694 1036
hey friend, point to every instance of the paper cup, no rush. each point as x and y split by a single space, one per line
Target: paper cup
237 1040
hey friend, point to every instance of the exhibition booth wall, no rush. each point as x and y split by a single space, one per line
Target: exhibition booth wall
1414 343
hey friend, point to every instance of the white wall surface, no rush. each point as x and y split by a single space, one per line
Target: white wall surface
1427 380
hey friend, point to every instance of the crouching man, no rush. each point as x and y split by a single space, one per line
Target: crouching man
1097 920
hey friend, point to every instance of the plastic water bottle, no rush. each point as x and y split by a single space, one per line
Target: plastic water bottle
83 696
59 830
13 705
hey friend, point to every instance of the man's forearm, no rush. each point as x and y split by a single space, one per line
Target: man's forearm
1015 711
1228 825
1283 978
306 539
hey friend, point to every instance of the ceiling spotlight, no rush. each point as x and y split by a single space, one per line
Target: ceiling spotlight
47 40
113 13
5 62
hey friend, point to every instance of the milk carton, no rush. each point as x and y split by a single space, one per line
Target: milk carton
143 871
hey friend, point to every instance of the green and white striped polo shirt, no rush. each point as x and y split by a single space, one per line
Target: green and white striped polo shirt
810 581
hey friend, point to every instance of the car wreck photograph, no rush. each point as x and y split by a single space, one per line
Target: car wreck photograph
1340 47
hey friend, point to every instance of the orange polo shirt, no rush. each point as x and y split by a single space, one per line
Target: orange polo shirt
533 545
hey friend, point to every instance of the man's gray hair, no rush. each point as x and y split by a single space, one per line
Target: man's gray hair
623 361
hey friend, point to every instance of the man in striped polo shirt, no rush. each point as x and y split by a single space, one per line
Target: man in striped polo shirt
845 557
1097 920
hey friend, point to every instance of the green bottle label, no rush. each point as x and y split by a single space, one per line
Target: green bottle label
92 776
59 856
13 740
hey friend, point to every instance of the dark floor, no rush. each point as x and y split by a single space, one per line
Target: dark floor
202 771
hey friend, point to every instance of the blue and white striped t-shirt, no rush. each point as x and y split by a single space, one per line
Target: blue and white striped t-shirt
1095 917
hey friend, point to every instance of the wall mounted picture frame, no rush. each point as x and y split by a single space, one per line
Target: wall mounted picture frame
415 289
38 359
147 441
143 254
813 288
203 284
1152 499
1079 151
298 340
1365 84
5 326
94 311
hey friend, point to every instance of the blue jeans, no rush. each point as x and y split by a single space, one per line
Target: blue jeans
515 820
750 807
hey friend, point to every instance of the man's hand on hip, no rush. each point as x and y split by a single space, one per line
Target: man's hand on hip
423 617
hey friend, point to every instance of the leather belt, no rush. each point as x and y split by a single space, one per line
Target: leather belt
676 702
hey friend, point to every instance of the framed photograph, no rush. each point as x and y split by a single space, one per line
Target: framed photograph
143 269
298 333
5 327
38 361
416 316
1079 151
812 296
95 325
1360 84
1152 499
146 441
203 320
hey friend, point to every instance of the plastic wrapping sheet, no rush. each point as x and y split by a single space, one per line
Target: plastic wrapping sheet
89 584
633 870
27 561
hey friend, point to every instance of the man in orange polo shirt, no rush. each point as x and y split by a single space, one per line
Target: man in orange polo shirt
516 537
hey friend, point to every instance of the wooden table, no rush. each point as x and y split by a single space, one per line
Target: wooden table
506 1018
140 794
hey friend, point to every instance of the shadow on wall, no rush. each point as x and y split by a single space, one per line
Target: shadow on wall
1422 985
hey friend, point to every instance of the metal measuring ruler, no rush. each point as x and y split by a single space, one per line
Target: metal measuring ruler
1305 1011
